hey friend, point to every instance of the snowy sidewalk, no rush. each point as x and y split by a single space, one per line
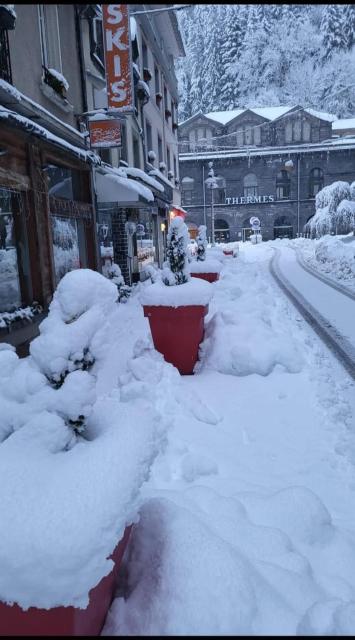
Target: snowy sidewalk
333 305
246 522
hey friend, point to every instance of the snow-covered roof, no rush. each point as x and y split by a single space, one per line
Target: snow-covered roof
138 173
32 127
321 115
309 147
270 113
159 174
344 123
224 116
121 176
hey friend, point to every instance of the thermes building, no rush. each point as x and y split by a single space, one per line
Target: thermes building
268 162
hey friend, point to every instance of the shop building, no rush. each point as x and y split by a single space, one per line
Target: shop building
267 162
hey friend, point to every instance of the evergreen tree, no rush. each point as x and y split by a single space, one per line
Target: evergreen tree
349 19
201 240
333 29
176 269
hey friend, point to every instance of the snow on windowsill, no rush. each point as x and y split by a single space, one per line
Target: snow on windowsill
59 76
193 292
160 175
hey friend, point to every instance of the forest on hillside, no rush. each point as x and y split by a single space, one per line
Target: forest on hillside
267 55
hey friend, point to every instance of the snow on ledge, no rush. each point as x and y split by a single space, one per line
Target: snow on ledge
193 292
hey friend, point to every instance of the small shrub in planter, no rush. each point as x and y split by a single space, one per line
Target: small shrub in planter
177 304
201 268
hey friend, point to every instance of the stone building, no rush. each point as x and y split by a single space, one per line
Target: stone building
268 162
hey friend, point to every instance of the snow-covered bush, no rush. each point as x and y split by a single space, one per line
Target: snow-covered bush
67 336
201 240
332 214
345 217
113 273
336 257
176 269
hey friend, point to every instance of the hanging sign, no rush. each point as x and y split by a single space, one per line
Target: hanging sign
118 57
105 133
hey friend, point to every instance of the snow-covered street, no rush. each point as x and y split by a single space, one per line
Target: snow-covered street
246 524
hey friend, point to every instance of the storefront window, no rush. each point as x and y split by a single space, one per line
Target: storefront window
15 274
146 250
10 292
65 246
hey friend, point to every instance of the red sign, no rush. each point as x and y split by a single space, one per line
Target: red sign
105 133
118 62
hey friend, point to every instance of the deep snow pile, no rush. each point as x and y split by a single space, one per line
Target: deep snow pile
246 526
335 210
332 255
74 452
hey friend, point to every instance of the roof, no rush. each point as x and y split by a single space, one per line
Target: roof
269 113
344 123
347 142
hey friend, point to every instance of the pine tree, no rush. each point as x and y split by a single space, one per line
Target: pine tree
333 29
349 18
176 270
201 240
230 52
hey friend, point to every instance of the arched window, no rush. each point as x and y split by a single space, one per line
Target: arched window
297 129
187 187
221 230
250 184
316 181
283 185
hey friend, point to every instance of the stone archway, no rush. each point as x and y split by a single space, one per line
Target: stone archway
221 230
283 227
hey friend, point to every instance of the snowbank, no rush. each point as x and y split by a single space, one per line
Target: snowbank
71 465
331 255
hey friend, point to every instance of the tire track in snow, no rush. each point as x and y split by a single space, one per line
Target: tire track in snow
334 340
339 287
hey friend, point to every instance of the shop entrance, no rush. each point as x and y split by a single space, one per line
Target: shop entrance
283 228
247 232
221 231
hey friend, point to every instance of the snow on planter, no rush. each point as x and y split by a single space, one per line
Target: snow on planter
71 463
177 304
207 266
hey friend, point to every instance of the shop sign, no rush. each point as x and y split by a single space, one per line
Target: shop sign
118 62
105 133
250 200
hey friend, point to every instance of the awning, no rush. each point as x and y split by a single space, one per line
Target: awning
126 192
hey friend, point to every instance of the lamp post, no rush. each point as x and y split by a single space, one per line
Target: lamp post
211 183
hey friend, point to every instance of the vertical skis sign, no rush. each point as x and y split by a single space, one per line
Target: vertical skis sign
118 57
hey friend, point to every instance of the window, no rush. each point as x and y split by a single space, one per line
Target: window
187 186
49 36
123 148
283 185
136 154
240 137
160 149
15 280
288 132
257 135
96 42
148 129
306 131
316 182
297 128
5 65
219 194
248 135
250 184
175 169
157 86
65 245
168 158
145 54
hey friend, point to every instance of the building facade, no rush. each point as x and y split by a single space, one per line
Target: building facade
267 162
134 227
64 205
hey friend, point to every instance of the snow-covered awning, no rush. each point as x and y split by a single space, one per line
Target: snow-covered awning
16 120
113 185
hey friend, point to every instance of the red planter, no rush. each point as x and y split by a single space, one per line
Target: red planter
210 276
227 252
66 621
177 333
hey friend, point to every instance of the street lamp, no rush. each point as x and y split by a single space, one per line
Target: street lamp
211 183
